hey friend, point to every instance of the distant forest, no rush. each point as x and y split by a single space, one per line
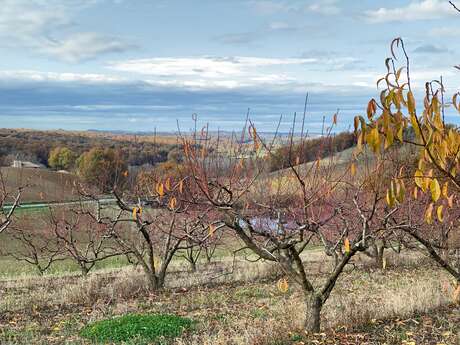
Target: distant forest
35 146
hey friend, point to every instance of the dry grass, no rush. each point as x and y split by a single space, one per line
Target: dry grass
240 308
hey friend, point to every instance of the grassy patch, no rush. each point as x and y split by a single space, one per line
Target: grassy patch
153 327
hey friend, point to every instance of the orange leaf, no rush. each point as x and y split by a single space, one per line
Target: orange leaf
172 203
168 184
456 296
283 285
346 244
429 214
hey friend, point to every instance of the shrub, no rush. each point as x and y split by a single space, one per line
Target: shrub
61 158
149 328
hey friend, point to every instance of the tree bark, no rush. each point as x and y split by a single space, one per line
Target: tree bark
380 249
155 282
314 305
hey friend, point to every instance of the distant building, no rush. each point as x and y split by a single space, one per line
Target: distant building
26 164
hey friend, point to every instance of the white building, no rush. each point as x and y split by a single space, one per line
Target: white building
26 164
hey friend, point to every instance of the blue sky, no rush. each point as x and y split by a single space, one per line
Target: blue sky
140 64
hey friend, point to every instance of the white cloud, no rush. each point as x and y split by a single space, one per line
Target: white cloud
208 72
325 7
204 67
416 10
40 76
43 26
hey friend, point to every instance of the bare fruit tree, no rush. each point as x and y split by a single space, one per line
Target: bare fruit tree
7 210
279 215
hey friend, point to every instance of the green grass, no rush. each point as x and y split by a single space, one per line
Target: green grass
156 328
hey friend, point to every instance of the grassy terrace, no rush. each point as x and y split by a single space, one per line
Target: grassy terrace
238 306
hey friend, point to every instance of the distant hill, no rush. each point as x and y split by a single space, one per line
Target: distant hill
35 146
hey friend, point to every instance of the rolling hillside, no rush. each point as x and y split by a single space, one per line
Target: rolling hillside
42 184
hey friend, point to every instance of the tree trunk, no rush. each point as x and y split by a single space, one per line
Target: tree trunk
192 266
84 270
379 255
155 282
314 305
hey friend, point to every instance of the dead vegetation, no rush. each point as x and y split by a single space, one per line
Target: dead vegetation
244 307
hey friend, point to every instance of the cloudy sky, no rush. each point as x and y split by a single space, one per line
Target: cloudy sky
140 64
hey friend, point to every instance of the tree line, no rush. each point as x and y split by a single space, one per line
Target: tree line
36 146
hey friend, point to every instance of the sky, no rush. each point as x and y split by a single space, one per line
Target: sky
137 65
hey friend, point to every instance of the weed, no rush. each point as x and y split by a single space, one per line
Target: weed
153 327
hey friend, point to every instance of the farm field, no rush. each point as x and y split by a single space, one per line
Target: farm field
42 185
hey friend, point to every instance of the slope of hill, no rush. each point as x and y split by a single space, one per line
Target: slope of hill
41 185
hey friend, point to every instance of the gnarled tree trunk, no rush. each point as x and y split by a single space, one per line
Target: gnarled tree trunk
314 304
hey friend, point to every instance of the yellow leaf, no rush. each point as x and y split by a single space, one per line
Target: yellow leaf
450 201
353 169
415 194
283 285
212 229
135 210
359 144
400 190
390 198
445 190
181 186
410 102
373 139
435 190
399 133
439 213
160 189
414 123
389 139
419 179
429 214
346 245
